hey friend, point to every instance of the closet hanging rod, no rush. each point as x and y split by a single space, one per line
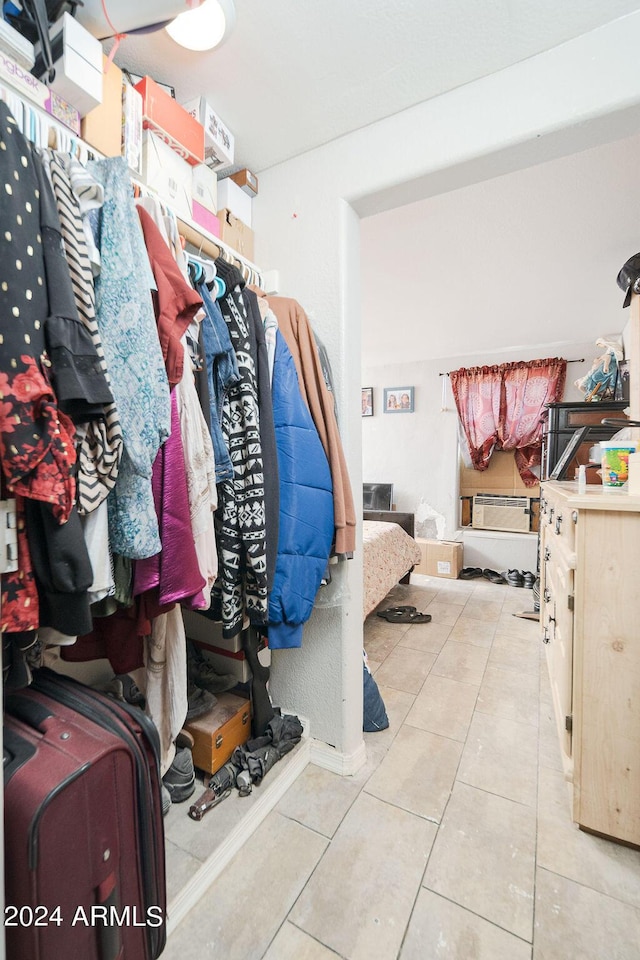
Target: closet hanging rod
195 235
581 360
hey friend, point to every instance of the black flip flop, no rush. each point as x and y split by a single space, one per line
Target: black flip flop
405 616
396 610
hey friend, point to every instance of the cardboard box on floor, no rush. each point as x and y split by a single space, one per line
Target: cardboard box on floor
440 558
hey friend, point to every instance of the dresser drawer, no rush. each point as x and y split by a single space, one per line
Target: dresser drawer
557 520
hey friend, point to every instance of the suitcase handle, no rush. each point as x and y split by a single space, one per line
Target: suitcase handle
109 935
31 712
16 751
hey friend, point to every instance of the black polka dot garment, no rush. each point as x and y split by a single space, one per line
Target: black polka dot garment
28 414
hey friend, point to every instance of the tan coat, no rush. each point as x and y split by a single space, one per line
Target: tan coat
295 328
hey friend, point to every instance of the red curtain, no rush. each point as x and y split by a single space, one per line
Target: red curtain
505 407
476 391
527 388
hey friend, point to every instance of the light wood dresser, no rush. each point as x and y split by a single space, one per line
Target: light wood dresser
590 623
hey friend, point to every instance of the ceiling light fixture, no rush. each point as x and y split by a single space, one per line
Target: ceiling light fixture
205 27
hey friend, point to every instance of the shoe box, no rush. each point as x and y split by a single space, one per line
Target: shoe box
226 655
440 558
216 734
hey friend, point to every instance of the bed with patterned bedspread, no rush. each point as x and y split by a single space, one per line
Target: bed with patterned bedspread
389 554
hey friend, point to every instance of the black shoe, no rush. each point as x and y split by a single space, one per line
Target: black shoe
536 595
180 778
123 687
203 674
199 702
515 578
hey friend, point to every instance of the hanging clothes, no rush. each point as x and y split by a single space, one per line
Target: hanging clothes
165 682
267 433
174 572
294 326
100 442
62 569
19 600
134 359
240 519
270 324
201 478
222 374
77 375
306 507
175 302
40 325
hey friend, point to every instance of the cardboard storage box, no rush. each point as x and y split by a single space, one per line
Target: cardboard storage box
77 59
166 117
26 85
236 234
165 172
247 181
204 187
102 126
440 558
216 734
232 197
218 139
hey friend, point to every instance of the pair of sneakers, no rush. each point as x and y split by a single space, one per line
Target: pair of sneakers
520 578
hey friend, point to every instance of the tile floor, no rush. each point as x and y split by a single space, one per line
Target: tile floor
455 841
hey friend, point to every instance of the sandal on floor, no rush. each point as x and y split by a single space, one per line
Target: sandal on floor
405 616
493 576
470 573
395 610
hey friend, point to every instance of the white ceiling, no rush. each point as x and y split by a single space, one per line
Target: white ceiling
507 264
298 73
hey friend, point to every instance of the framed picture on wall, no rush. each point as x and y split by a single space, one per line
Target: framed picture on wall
398 399
367 401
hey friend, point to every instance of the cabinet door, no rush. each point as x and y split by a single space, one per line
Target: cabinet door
607 674
557 625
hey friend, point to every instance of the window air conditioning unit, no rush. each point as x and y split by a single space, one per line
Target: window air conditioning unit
494 512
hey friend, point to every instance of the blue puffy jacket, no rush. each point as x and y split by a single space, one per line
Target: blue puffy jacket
306 507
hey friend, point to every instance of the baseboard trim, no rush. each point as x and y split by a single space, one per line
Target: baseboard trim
344 764
270 794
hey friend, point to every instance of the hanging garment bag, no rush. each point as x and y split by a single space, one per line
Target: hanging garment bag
84 837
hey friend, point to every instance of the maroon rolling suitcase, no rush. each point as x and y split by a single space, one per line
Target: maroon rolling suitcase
84 836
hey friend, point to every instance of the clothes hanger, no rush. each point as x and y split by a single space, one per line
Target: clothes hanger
206 267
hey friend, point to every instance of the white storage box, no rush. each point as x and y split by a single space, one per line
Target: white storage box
218 139
78 61
204 187
132 128
165 172
199 627
232 197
